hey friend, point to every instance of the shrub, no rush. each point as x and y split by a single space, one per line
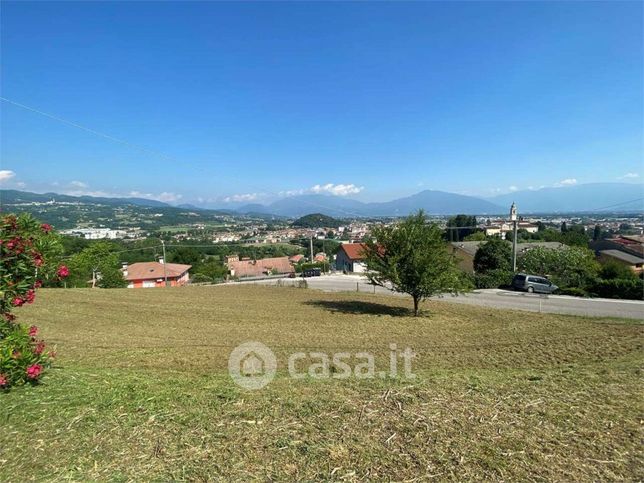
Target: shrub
27 252
632 288
493 279
574 291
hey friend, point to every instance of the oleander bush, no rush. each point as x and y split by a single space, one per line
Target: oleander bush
29 252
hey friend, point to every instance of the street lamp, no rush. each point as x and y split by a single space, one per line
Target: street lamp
513 219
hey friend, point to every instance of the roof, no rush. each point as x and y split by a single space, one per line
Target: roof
354 251
296 258
623 256
155 270
257 268
471 247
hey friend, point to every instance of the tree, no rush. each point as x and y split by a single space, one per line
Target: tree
597 233
570 267
495 254
411 257
97 262
460 226
185 255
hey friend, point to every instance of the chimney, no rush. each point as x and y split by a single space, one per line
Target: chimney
124 268
161 260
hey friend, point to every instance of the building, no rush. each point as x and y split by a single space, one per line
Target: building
295 259
153 274
634 262
501 228
466 250
260 268
633 244
350 258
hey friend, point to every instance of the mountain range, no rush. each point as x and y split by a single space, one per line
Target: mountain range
615 197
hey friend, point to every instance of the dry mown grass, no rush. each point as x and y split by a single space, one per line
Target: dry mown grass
141 391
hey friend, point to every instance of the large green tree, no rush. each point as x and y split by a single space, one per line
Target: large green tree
100 262
570 267
460 226
412 257
495 254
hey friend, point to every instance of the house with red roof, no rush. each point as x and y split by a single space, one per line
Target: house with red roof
154 274
260 268
350 258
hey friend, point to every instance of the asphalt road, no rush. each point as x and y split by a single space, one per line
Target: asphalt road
500 299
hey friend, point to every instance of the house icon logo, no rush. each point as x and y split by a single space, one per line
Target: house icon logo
252 365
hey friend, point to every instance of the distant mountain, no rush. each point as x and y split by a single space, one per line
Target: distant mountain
433 202
252 208
585 197
14 196
337 206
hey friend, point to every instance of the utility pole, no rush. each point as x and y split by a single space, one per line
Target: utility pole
513 219
312 249
165 273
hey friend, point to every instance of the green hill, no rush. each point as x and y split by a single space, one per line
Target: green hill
317 220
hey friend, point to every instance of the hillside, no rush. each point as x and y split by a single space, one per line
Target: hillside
14 196
64 212
154 401
317 220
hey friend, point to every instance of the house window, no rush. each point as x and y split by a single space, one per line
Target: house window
149 284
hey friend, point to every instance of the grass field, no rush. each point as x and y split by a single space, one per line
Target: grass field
141 391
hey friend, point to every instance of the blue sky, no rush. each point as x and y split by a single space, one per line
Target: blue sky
243 101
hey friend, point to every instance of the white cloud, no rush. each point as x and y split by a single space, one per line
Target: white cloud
629 176
567 182
79 184
95 193
21 184
513 188
241 198
6 175
337 189
166 197
291 192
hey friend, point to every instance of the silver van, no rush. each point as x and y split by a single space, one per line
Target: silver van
533 283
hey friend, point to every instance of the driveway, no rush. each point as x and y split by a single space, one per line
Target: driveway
496 298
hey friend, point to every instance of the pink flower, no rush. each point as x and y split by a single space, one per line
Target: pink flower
38 284
3 380
63 271
30 296
45 227
33 371
40 347
33 331
37 259
18 302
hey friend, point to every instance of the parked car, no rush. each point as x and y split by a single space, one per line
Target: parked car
533 283
311 272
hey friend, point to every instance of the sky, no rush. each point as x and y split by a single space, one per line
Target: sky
216 102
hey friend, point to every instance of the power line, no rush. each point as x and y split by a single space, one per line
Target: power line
90 130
